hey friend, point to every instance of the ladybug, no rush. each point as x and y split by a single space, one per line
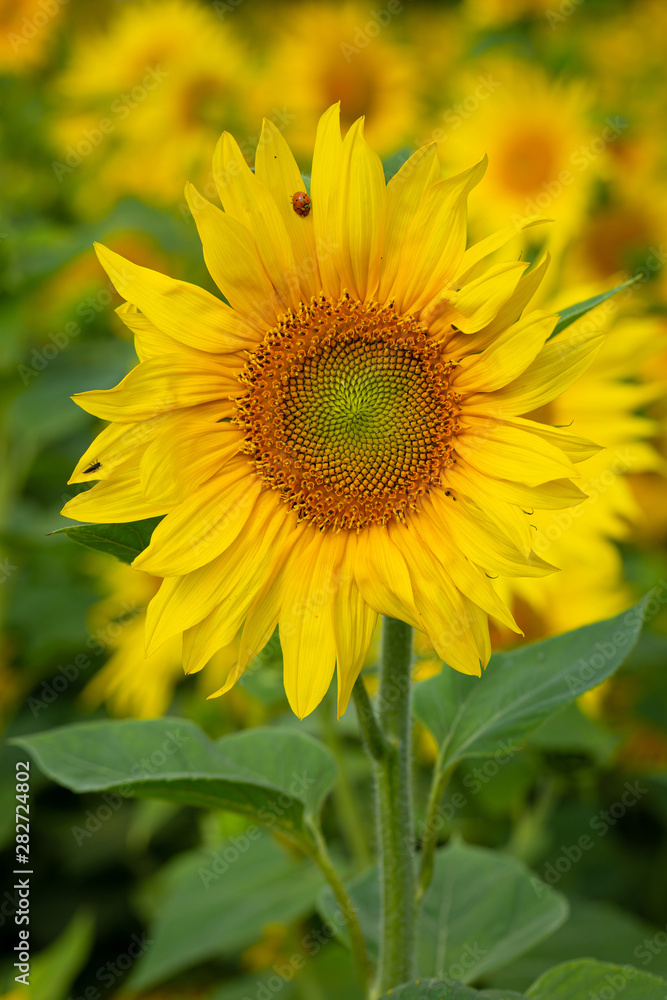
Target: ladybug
301 203
92 468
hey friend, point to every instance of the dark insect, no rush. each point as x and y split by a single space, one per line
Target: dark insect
301 203
92 468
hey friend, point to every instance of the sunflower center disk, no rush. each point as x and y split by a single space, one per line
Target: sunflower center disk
349 412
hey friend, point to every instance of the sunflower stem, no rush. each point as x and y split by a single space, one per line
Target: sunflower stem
374 741
393 782
430 839
320 856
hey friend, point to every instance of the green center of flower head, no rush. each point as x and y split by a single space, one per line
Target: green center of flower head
349 412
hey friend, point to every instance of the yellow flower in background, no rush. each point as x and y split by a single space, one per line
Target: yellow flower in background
143 100
131 683
624 235
492 13
26 32
543 155
607 404
345 52
345 438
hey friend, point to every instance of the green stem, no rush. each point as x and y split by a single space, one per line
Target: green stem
345 800
320 856
430 839
394 809
374 741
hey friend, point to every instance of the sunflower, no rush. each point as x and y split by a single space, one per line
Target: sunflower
160 75
344 438
607 404
343 52
544 156
130 683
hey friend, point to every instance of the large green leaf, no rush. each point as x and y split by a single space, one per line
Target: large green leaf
438 989
124 541
593 930
492 715
575 312
216 902
480 912
274 776
587 978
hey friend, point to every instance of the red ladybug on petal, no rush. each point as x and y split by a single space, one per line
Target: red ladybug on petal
301 203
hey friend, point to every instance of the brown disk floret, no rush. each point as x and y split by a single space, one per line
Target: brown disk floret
349 412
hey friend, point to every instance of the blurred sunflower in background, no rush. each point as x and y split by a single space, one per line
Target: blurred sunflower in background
141 97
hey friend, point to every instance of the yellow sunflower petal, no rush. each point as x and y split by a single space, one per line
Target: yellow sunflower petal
234 263
183 601
325 189
476 304
161 384
405 191
185 456
435 241
361 206
511 453
468 578
478 539
220 509
444 610
306 620
185 312
117 499
245 199
382 576
277 169
560 364
509 355
484 248
354 623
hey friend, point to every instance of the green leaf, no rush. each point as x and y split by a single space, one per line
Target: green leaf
570 731
54 970
491 715
588 978
216 902
575 312
593 930
481 911
124 541
273 776
448 989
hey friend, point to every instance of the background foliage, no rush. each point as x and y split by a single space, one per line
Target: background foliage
108 108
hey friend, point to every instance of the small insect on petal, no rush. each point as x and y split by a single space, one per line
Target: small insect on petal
301 203
92 468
